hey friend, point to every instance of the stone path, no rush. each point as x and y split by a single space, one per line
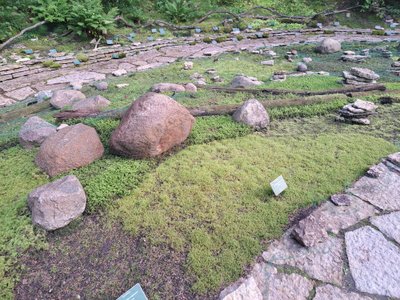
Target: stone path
21 81
359 258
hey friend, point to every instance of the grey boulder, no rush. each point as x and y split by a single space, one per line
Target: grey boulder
302 67
34 132
91 104
252 113
63 98
167 87
241 81
56 204
101 85
328 45
364 73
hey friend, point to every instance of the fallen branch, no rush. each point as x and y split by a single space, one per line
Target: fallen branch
335 12
10 40
170 26
214 12
97 43
274 12
352 89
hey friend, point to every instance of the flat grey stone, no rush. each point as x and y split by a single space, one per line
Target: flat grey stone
287 287
389 224
365 105
241 81
80 76
336 218
268 62
383 192
167 87
364 73
247 289
374 262
330 292
119 72
323 262
266 283
4 101
21 94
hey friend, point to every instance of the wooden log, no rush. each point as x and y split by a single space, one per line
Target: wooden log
204 110
346 90
23 112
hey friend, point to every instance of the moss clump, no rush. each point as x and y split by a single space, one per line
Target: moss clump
51 64
82 57
378 32
265 35
207 40
241 25
320 19
206 28
329 32
221 39
227 29
212 201
192 43
239 37
312 24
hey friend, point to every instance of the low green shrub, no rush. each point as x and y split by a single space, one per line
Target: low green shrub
82 57
207 129
221 39
212 203
378 32
207 40
51 64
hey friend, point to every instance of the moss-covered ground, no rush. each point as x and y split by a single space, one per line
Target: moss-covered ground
203 210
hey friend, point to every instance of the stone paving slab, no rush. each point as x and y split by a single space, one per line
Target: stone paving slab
323 261
77 76
21 94
4 101
383 192
330 292
337 218
374 262
266 283
389 225
246 289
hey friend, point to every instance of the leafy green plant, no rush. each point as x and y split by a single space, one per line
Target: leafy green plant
89 17
83 17
178 10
